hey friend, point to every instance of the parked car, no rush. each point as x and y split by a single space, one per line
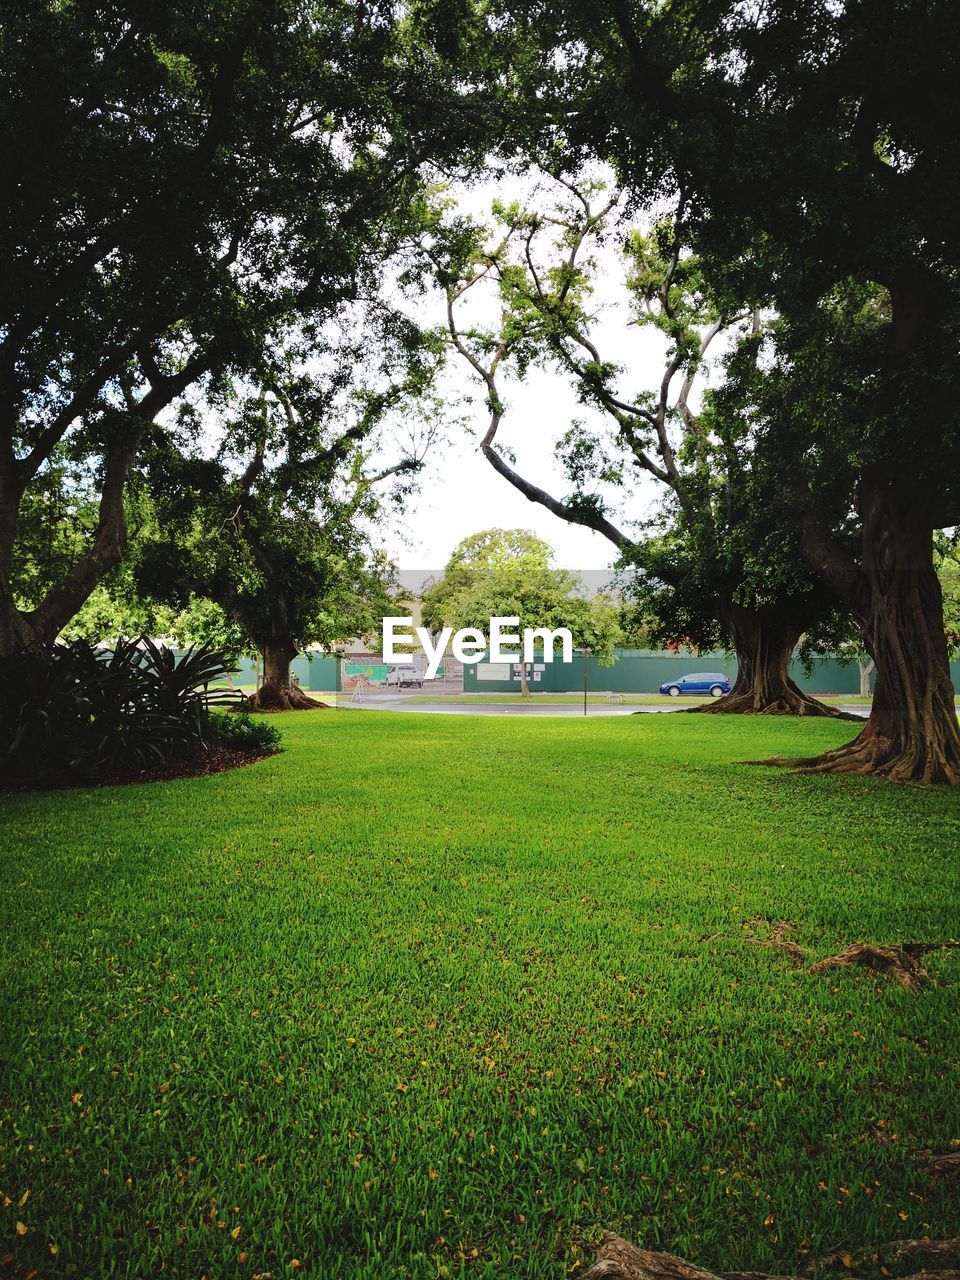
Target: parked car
403 676
713 682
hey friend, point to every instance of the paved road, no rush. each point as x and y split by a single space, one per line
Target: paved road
376 702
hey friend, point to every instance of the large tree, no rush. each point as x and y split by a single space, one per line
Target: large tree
814 147
708 565
58 517
276 525
184 181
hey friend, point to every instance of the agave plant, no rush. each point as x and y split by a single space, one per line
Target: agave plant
181 685
74 713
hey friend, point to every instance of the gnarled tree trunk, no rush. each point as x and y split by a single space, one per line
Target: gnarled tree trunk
37 628
764 641
912 734
278 692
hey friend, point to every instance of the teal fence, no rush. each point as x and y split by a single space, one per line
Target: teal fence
318 672
644 670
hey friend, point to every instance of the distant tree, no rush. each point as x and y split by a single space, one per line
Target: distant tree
468 560
276 527
509 573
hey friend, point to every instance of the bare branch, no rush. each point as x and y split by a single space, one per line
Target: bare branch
404 466
566 511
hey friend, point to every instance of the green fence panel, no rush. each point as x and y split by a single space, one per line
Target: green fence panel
324 673
644 670
828 676
318 672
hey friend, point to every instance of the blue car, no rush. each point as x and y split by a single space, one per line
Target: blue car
713 682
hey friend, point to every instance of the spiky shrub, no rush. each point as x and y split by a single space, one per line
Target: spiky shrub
73 714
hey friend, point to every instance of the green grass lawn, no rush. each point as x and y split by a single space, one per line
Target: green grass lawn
429 996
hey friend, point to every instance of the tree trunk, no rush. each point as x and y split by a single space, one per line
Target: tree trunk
764 643
13 633
866 671
277 693
912 734
16 631
524 686
39 627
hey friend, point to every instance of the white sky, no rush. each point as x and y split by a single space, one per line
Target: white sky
460 493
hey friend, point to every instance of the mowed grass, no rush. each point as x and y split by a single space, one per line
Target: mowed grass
428 996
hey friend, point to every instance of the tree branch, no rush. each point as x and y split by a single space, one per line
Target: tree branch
63 599
566 511
824 554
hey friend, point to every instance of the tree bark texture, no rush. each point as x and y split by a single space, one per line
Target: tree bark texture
277 692
911 734
764 641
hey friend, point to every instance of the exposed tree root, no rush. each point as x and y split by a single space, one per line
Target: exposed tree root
892 1253
944 1165
875 756
779 939
900 961
892 960
619 1260
286 697
790 702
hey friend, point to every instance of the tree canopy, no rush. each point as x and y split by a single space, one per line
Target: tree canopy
201 179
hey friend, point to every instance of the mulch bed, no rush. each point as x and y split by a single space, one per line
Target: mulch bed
215 757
